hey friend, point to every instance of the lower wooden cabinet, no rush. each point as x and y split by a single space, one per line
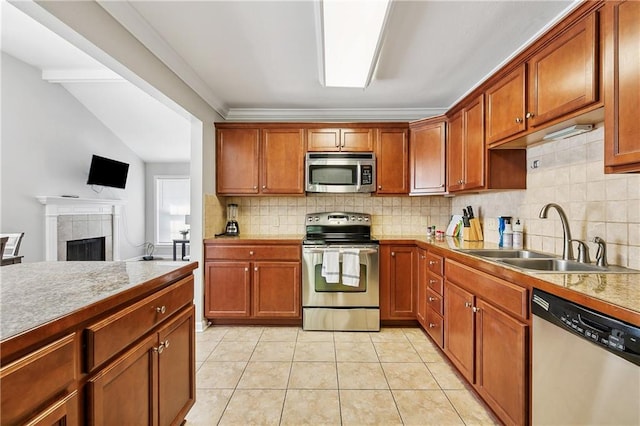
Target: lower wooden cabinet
153 383
252 282
398 285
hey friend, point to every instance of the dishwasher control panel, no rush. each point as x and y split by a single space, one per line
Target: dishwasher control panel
616 336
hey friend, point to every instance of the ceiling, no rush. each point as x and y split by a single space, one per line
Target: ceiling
258 60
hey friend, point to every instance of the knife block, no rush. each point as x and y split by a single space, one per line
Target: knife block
472 232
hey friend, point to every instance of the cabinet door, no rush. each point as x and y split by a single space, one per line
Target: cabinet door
422 273
276 289
474 148
500 360
506 106
455 154
392 168
427 159
356 140
176 372
459 328
227 289
237 161
323 140
124 393
402 297
563 76
282 161
61 413
621 23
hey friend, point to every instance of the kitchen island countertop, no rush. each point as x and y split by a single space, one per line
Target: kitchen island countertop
35 294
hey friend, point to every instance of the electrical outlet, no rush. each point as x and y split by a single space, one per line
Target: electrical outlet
490 224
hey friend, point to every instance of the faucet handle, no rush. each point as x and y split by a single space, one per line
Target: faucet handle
583 252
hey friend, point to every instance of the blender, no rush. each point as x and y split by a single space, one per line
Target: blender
232 227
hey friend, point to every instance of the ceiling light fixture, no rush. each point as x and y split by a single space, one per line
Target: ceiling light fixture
568 132
351 37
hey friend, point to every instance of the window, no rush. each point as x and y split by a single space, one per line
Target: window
173 206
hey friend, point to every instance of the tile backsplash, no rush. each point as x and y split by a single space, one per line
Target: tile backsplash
570 173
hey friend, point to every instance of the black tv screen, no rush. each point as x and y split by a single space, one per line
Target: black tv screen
108 172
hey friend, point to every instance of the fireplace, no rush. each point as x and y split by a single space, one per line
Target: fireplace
86 249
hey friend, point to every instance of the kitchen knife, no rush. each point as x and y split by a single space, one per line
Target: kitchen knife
465 218
470 210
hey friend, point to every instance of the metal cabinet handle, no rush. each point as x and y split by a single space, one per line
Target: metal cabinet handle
529 115
475 309
255 269
431 299
393 253
432 325
246 269
255 187
251 253
159 349
264 186
161 309
423 257
519 120
379 186
433 262
467 304
432 281
166 343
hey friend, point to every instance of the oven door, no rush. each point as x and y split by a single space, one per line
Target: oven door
316 292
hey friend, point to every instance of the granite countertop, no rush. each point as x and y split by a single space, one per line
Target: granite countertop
33 294
248 239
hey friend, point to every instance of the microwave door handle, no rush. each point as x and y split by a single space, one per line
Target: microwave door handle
358 177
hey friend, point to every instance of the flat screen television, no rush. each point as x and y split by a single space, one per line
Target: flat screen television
108 172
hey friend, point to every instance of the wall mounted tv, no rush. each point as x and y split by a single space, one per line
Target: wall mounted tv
108 172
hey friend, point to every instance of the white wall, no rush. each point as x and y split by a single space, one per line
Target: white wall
48 138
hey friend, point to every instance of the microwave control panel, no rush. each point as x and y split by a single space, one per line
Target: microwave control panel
367 175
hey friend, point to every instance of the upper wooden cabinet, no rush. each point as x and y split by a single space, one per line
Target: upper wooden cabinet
506 106
392 164
427 156
621 27
466 153
563 76
251 161
341 139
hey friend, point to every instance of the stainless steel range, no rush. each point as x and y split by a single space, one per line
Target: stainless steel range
340 285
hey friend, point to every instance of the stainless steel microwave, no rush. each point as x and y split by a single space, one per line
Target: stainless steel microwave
340 172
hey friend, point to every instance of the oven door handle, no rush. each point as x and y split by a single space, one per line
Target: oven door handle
321 251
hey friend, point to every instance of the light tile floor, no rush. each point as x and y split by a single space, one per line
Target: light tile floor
286 376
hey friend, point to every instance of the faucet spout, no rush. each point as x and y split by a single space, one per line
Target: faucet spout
567 249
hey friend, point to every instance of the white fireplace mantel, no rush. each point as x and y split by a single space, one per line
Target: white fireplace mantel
56 206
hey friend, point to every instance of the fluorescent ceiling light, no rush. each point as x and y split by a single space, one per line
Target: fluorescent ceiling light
568 132
351 40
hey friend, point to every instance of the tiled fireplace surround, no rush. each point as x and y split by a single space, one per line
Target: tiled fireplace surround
570 173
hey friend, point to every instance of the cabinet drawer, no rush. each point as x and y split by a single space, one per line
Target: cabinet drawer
496 291
266 252
108 337
434 301
435 283
435 263
435 327
32 382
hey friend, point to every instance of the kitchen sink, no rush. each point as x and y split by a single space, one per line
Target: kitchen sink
560 265
508 254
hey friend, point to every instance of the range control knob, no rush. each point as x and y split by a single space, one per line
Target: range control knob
317 219
366 219
359 218
352 218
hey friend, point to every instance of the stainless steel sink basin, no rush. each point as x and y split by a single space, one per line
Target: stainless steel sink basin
508 254
560 265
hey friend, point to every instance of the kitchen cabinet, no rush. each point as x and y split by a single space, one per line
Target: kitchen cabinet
435 298
341 139
621 28
252 281
466 150
506 106
41 387
486 337
563 75
398 282
427 156
422 276
392 161
254 161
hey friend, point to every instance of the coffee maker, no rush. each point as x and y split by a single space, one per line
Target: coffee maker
232 228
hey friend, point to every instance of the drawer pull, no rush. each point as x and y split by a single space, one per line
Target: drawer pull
251 253
246 269
432 325
475 309
166 343
433 262
393 253
432 281
431 299
159 349
467 304
161 309
255 269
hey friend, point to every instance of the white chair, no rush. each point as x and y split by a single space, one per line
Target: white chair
12 245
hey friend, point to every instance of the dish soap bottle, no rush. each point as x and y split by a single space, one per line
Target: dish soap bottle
507 235
518 235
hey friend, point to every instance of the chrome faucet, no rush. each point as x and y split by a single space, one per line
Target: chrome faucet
567 249
601 254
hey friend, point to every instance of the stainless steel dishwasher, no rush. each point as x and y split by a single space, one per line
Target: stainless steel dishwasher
586 365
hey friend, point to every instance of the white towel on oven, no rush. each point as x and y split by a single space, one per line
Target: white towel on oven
331 266
351 267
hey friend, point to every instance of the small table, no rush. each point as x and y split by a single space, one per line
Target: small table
182 242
